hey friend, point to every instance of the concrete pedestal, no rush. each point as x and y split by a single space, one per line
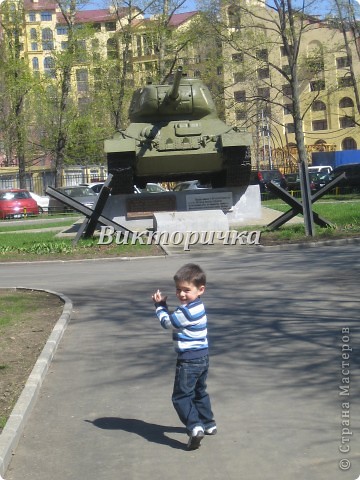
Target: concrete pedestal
238 204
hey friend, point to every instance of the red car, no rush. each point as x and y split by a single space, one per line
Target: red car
17 203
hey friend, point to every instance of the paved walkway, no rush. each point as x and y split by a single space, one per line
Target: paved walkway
276 322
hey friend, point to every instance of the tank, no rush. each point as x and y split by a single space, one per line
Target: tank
175 134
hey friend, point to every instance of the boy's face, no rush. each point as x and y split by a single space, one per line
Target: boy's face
187 292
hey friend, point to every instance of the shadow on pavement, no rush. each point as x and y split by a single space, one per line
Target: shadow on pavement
149 431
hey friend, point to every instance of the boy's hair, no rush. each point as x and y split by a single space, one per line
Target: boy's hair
191 273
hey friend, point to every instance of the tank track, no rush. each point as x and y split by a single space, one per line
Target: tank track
238 166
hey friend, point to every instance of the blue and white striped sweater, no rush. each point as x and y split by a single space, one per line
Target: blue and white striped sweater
189 324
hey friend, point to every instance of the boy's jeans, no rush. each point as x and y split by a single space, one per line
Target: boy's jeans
190 399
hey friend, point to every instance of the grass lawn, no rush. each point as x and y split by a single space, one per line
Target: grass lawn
343 212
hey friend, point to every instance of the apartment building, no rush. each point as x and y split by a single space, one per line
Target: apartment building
259 97
45 33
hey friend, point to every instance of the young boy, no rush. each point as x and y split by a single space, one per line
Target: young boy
189 323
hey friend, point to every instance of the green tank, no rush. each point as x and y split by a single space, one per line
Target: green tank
175 134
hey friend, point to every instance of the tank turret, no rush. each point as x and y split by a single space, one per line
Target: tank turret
175 134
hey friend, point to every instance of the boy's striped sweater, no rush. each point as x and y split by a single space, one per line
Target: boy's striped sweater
189 325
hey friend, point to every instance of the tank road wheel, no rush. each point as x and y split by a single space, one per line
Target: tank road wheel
238 166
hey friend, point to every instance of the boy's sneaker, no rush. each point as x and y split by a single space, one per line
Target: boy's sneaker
195 438
211 430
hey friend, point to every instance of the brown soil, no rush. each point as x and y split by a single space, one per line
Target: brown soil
22 340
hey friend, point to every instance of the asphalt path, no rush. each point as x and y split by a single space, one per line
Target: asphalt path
281 323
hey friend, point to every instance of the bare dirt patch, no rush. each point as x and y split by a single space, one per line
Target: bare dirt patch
22 339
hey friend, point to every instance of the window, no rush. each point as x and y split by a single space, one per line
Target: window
150 67
288 109
148 45
46 34
49 67
34 46
111 47
62 30
64 45
318 106
239 77
138 45
32 17
47 39
347 122
264 93
82 80
46 16
96 27
344 82
286 90
95 49
343 62
286 69
35 63
237 57
262 55
33 34
83 103
348 144
240 96
346 102
241 114
283 52
319 125
80 51
263 73
110 26
234 16
290 127
267 110
317 85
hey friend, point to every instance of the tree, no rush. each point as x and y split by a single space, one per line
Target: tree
254 30
16 84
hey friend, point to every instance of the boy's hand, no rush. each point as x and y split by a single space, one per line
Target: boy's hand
158 297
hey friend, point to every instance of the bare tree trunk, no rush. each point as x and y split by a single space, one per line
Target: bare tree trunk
61 140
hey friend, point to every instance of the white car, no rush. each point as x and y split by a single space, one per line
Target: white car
42 201
96 186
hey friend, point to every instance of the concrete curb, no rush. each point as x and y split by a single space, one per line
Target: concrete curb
10 436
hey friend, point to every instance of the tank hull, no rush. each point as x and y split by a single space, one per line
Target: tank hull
185 140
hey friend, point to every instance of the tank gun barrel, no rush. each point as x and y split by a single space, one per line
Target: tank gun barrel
173 93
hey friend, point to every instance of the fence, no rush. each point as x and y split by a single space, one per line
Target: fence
39 181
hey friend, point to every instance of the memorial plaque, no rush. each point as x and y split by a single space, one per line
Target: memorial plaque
210 201
143 206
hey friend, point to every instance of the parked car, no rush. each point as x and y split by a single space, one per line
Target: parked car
264 177
352 172
189 185
317 181
320 169
42 201
96 186
82 194
320 179
17 203
292 181
150 188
